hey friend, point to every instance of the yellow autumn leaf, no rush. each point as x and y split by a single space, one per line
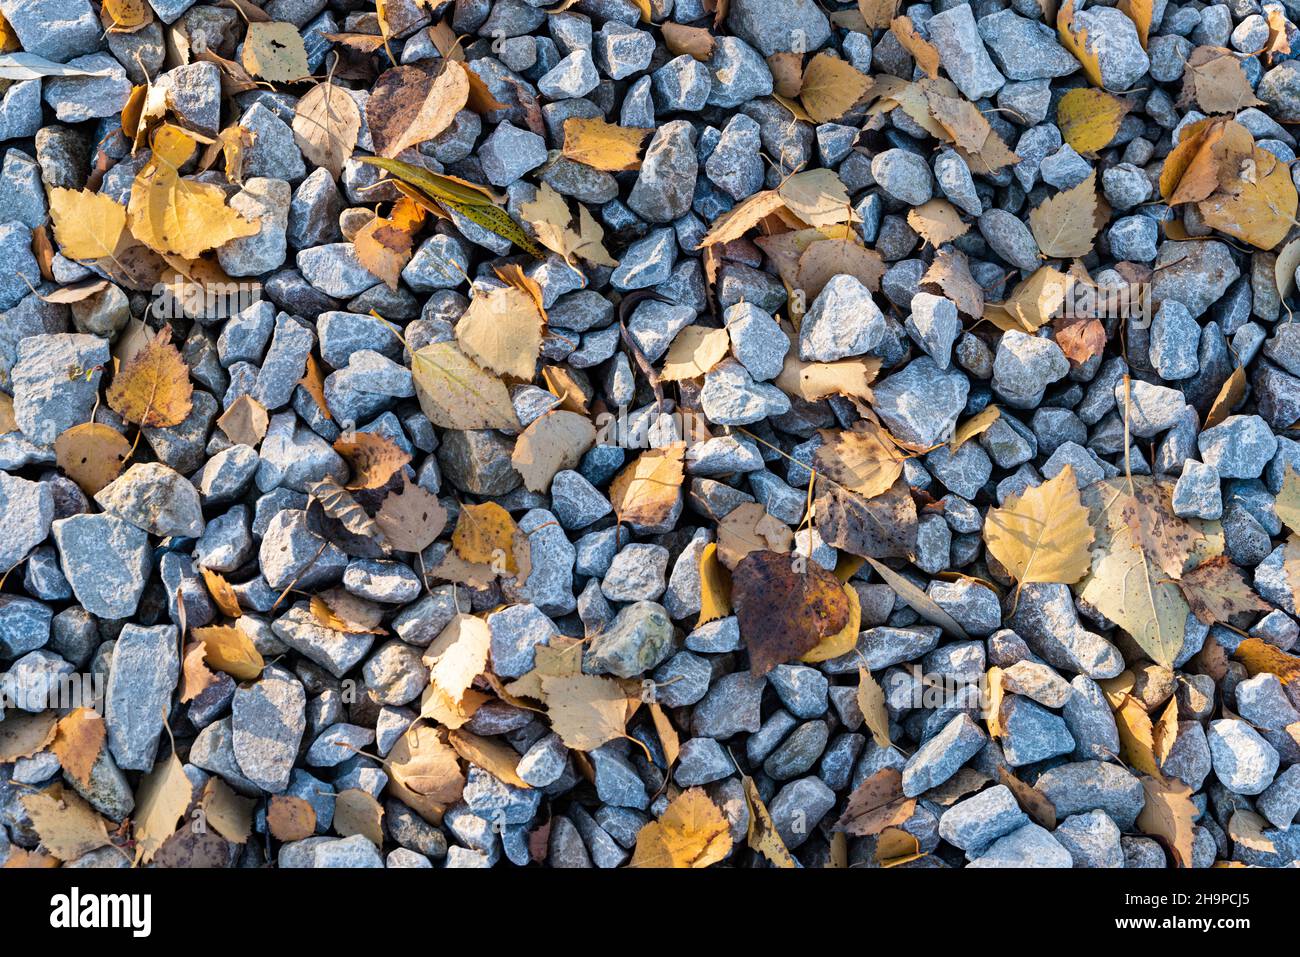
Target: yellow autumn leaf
601 145
485 534
818 197
692 832
128 16
586 711
171 214
695 351
1089 118
86 225
1065 225
1042 535
551 443
552 220
502 331
275 51
715 587
91 454
153 388
647 491
865 460
1075 39
975 425
846 639
937 222
923 51
455 392
831 87
230 650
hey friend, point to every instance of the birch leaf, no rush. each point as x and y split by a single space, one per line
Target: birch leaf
326 123
864 460
557 229
601 145
411 518
695 351
646 491
91 454
455 392
275 51
551 443
153 387
586 711
784 611
692 832
1065 225
831 87
502 331
1089 118
1042 535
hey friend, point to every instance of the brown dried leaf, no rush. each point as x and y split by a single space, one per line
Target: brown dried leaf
410 105
411 518
374 459
1217 591
784 611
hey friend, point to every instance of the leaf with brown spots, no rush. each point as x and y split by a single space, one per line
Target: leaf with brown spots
1217 591
749 527
410 105
91 454
411 518
785 606
153 387
485 534
882 527
864 460
875 804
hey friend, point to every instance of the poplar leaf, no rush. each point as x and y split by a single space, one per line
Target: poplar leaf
455 392
557 229
502 331
91 454
86 225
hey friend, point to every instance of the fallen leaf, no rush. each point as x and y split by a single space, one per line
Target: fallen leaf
23 734
1137 737
818 197
79 742
787 77
1215 80
455 392
681 40
153 387
223 595
491 754
196 677
373 458
290 818
749 527
831 87
1033 802
1139 549
875 804
784 611
694 351
1065 225
1287 503
864 460
334 515
559 231
313 380
895 846
485 534
1247 829
742 217
502 331
424 772
1217 591
762 835
1169 816
881 527
86 225
814 381
160 802
326 123
920 602
827 258
91 454
411 105
411 518
846 639
562 658
67 826
127 16
949 274
1075 39
1042 535
691 832
171 214
357 812
669 741
1089 119
878 14
871 702
385 244
275 52
921 50
647 491
230 650
1080 339
552 442
977 424
601 145
340 610
1033 302
937 222
228 813
1260 657
586 711
245 421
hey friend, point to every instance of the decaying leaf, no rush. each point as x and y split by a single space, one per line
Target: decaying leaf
485 534
881 527
290 818
1075 39
763 835
385 244
160 802
784 611
1217 591
374 459
681 40
340 610
411 518
937 222
922 50
153 387
1214 79
920 602
23 734
1042 535
230 815
91 454
68 827
875 804
1260 657
846 639
275 51
411 104
692 832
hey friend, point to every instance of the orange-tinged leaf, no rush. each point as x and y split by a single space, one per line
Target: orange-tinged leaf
374 459
290 818
692 832
921 50
601 145
844 640
831 87
222 593
763 835
1089 118
875 804
153 387
646 492
79 742
91 454
681 40
230 650
491 754
485 534
1260 657
384 245
1169 816
1075 39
